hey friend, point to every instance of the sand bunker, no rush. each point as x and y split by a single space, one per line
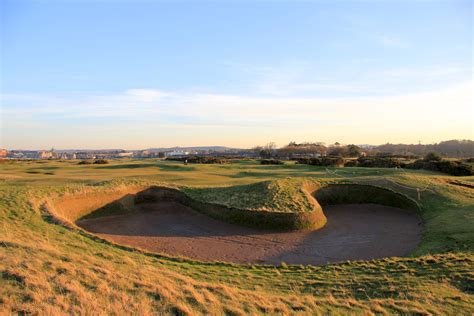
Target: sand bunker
353 232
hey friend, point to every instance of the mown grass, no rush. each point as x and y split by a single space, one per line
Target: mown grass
47 268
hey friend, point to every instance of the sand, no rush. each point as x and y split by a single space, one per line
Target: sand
353 232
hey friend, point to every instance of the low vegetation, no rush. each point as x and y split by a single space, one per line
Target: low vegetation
434 162
101 161
377 162
323 161
271 162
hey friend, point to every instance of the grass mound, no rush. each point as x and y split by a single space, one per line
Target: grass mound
277 204
282 195
280 204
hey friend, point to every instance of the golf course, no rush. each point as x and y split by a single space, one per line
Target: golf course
154 236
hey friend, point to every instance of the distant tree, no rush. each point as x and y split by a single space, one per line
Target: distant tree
338 151
267 151
432 157
305 149
270 146
256 150
353 151
383 154
450 148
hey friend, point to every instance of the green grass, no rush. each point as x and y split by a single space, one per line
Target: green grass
283 195
47 268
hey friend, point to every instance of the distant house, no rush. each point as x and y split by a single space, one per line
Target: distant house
125 154
3 153
142 154
44 154
66 156
176 153
84 155
22 154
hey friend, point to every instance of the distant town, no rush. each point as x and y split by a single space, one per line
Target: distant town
120 153
450 148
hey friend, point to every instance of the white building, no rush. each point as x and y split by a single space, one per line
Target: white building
176 153
126 154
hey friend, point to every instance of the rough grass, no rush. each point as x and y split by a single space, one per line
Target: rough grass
47 268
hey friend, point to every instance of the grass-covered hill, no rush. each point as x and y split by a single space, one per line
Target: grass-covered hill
284 195
49 267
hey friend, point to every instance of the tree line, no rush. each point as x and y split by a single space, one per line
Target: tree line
450 148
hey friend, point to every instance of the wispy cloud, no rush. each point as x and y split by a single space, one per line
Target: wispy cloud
214 115
352 77
295 78
434 72
141 102
146 95
391 41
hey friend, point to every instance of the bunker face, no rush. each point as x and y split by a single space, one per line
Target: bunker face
353 232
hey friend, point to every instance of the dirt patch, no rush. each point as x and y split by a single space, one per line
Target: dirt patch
353 231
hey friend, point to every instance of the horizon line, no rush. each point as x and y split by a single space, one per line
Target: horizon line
229 147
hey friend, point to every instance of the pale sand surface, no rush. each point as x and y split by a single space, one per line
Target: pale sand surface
353 232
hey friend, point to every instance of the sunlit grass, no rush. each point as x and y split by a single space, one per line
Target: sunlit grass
47 268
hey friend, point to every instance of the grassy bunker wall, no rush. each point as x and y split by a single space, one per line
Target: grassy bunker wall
103 202
333 194
98 201
92 202
261 219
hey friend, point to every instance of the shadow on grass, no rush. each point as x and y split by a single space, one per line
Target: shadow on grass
245 174
38 170
45 168
127 166
147 165
175 168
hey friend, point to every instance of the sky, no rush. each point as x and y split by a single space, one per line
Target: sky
141 74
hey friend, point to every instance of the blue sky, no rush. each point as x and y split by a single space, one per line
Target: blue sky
137 74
